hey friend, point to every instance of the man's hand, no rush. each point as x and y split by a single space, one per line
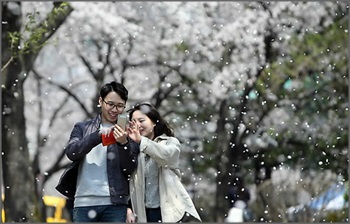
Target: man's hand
120 135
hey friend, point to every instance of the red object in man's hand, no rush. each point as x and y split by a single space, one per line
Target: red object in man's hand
108 139
107 136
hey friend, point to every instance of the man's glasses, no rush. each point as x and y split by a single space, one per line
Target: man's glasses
111 106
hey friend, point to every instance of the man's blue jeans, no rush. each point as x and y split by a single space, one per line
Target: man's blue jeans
100 213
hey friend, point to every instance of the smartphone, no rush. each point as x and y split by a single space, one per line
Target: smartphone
122 120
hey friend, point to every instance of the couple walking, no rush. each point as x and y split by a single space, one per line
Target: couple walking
137 179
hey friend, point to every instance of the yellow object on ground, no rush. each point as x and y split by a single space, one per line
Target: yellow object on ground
54 204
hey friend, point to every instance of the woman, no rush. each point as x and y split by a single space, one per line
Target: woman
156 191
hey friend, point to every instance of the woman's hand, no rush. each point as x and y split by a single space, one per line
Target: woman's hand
134 132
130 217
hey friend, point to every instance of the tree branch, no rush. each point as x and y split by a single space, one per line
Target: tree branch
69 92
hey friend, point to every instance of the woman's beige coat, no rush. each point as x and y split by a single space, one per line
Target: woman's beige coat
174 199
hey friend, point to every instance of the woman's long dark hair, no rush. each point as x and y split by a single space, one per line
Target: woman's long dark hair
162 127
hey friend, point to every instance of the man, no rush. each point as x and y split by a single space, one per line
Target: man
97 179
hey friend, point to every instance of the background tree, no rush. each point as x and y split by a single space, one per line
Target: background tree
307 82
229 102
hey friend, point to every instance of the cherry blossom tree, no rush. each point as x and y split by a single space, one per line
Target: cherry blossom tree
216 70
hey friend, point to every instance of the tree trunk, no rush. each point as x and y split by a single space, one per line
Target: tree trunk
222 179
17 175
17 169
20 197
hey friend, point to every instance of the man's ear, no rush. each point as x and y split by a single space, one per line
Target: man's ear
99 102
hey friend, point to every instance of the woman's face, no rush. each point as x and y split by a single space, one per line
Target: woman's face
146 126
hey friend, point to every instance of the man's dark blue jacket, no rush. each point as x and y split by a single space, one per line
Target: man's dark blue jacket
84 137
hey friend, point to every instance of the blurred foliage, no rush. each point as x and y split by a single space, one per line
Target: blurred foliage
314 82
337 216
311 85
30 39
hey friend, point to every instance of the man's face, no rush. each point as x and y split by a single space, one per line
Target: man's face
112 105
